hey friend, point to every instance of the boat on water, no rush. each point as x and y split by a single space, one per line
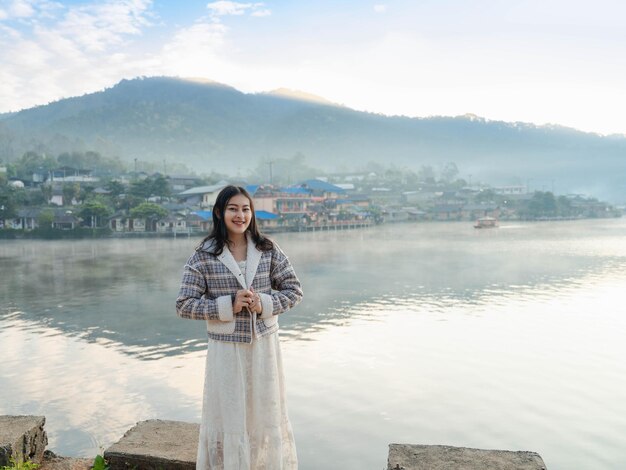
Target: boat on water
486 222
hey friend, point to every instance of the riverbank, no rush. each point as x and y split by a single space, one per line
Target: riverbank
172 445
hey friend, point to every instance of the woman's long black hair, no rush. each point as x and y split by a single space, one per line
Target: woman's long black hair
219 234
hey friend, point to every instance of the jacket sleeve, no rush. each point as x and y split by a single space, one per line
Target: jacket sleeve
192 303
286 284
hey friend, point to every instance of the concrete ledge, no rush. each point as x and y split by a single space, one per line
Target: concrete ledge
22 437
156 445
420 457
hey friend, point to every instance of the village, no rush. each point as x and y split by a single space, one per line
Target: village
67 200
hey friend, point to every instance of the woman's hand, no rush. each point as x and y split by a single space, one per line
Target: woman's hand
247 299
256 306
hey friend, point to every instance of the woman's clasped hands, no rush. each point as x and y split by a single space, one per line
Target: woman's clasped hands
247 298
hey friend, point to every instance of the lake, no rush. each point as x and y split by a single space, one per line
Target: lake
432 333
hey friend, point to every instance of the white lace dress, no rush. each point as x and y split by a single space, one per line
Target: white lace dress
244 413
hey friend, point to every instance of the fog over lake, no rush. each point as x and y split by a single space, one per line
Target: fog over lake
433 333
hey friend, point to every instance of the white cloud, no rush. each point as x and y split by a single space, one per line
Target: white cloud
193 50
228 8
69 51
98 26
223 8
21 9
264 12
380 8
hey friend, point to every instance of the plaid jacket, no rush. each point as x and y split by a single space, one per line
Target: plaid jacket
210 282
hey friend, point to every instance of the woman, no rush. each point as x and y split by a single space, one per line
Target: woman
239 282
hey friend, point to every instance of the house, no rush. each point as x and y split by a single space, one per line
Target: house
180 183
359 200
121 222
195 223
447 212
118 222
393 215
319 188
67 174
173 223
65 221
267 220
27 219
282 201
508 190
203 196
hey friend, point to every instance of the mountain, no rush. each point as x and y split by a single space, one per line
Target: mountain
210 126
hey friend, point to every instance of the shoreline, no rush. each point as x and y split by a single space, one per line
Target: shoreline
106 233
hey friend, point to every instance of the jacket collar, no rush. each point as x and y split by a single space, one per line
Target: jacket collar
253 257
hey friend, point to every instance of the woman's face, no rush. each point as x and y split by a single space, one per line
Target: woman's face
237 215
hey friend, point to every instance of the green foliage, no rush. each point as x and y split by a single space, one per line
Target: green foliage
33 162
115 187
70 191
8 202
48 233
93 212
18 465
128 202
542 204
46 192
487 195
160 187
91 161
99 463
45 219
147 187
148 210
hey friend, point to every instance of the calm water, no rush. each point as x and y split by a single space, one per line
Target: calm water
510 338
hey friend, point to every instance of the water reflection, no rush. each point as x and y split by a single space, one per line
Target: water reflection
123 290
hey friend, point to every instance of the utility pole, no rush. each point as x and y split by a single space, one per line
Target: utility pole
270 163
135 167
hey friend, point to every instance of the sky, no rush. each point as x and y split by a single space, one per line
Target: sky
539 61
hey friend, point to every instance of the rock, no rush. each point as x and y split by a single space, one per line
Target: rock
23 438
156 445
51 461
422 457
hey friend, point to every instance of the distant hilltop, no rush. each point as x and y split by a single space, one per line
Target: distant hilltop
209 126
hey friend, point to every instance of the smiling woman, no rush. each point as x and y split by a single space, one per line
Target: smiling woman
238 281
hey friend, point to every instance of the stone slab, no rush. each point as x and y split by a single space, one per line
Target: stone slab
23 438
156 445
423 457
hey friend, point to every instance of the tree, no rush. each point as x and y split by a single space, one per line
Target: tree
93 212
486 195
160 187
141 188
8 202
68 194
32 162
45 219
449 172
46 191
148 210
115 187
564 206
542 204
